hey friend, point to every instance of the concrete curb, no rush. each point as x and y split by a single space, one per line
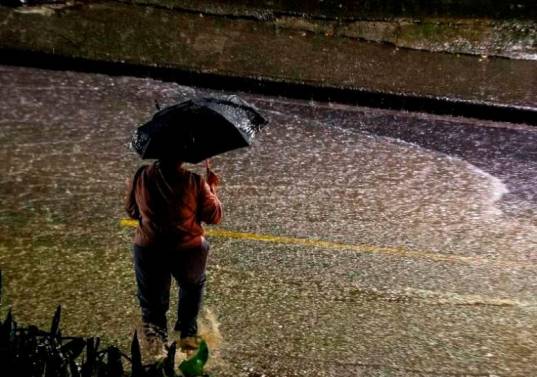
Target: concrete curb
267 86
251 55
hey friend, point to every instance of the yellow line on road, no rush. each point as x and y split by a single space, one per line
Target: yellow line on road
369 249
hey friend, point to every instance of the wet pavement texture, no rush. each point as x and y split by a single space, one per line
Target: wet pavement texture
356 241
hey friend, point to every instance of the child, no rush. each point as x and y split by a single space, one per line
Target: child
170 203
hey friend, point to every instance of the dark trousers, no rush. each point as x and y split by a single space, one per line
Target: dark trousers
154 268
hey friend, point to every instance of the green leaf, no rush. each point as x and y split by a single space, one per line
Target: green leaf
113 363
6 329
75 372
55 327
193 367
88 368
74 348
169 362
136 356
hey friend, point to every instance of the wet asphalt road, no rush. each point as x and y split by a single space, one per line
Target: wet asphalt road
356 242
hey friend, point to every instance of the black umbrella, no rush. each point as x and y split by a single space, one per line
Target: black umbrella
197 129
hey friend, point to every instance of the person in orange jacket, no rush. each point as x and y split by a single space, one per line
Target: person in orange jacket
170 204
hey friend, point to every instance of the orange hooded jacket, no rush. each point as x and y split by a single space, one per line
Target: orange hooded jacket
170 206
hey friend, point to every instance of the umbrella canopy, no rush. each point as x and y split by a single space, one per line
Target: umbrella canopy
197 129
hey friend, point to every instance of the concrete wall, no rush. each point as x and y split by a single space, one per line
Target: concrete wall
361 9
479 27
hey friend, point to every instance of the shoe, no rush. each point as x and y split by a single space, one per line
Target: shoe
153 340
153 332
190 344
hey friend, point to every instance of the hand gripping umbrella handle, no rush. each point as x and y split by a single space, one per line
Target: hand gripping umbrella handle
214 181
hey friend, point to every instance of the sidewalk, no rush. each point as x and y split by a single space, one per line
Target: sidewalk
249 54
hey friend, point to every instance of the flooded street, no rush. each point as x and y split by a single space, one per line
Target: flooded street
355 241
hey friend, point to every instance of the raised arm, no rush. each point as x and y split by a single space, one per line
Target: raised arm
210 205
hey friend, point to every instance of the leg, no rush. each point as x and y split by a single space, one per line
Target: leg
190 299
153 282
189 271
